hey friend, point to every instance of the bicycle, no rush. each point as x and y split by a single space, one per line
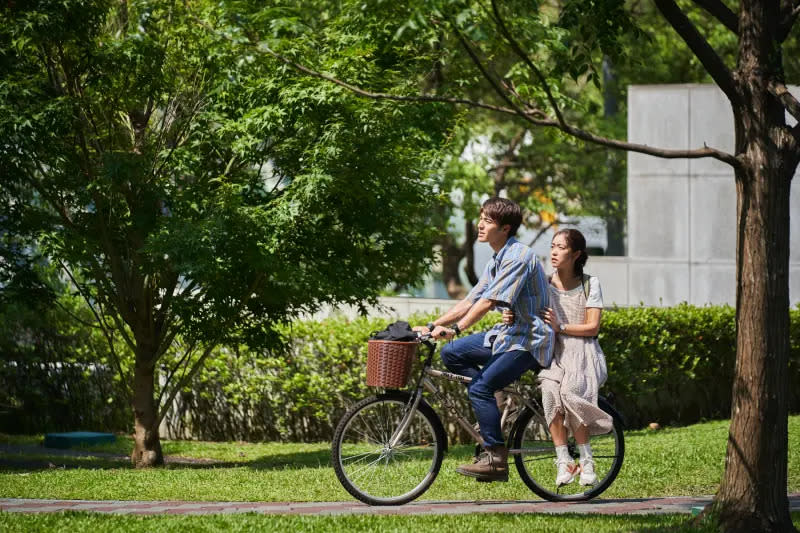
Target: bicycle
388 448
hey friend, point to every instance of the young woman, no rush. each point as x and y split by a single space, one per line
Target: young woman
570 385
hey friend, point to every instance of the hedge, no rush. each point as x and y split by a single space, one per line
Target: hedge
671 365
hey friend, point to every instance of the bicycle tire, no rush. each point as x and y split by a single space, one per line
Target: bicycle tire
395 476
536 465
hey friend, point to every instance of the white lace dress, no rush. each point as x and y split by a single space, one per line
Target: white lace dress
571 384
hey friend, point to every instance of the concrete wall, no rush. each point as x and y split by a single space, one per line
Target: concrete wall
681 212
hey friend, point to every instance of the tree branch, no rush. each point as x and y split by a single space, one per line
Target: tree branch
781 92
121 328
500 90
699 46
541 232
383 96
721 12
524 56
183 382
509 157
531 115
575 132
795 133
109 339
174 370
789 11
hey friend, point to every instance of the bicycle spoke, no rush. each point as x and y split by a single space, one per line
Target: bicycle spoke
378 473
368 428
532 459
360 456
534 453
354 475
369 439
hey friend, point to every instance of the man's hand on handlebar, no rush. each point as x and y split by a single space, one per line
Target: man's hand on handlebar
438 332
441 332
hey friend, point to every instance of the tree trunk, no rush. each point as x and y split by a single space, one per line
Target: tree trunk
752 496
451 257
470 236
147 444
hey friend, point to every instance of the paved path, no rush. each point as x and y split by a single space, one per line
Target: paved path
622 506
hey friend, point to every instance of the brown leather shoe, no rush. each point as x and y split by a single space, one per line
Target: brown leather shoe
492 465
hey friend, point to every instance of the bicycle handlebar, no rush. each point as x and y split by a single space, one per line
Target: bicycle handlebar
427 336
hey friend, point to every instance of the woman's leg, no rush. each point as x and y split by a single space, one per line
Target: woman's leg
581 434
558 430
588 476
567 469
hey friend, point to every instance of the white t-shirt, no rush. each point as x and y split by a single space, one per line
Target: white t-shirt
595 298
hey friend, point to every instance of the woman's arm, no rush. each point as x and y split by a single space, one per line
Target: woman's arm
588 329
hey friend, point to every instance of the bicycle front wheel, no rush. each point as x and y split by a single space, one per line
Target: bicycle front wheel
373 470
534 455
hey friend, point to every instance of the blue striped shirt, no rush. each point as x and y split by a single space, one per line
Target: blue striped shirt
514 279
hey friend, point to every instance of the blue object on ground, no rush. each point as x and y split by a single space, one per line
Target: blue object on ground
76 438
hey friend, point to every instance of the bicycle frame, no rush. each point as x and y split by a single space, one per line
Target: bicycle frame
425 382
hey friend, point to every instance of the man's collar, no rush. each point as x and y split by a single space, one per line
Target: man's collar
510 241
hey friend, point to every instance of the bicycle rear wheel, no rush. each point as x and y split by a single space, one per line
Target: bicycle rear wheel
370 468
534 456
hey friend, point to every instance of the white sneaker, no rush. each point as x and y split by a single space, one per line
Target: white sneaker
588 477
566 473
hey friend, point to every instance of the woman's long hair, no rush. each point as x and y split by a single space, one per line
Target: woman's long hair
577 243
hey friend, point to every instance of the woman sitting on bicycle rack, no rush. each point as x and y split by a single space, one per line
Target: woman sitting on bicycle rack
513 279
570 386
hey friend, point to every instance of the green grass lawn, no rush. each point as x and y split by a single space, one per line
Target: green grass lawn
92 523
673 461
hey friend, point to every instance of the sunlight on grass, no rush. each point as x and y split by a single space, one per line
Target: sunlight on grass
91 523
673 461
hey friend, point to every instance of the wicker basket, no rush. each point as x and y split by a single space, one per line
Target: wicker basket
389 363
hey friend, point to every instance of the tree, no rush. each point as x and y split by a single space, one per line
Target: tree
192 191
752 496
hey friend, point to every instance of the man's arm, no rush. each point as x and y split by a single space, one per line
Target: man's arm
455 313
474 313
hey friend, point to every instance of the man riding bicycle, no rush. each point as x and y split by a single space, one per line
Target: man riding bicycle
513 279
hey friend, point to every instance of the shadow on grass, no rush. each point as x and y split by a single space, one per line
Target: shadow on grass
41 459
36 458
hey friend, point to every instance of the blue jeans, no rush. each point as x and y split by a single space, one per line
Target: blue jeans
468 357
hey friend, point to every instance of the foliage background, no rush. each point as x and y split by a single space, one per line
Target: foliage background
669 365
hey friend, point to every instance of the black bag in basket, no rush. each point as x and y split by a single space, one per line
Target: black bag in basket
396 331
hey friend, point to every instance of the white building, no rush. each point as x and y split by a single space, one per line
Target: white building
682 212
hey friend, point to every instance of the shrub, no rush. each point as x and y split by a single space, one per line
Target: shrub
669 365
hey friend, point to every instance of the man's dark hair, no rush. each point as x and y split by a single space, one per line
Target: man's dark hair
503 211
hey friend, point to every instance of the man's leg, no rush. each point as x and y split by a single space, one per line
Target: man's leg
465 356
500 371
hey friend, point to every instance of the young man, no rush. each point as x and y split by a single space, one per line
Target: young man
513 279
